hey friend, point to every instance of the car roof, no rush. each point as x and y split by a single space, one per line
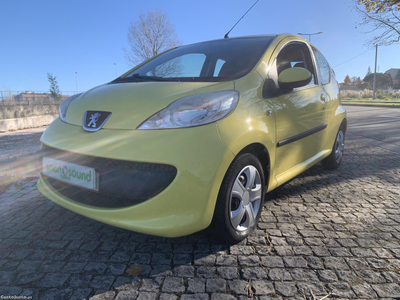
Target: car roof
278 36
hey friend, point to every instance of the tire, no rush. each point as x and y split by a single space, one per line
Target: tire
240 200
334 160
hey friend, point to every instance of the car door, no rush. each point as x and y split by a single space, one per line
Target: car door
300 113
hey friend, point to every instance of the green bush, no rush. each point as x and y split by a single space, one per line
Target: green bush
380 94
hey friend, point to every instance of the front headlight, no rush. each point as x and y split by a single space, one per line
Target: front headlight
62 110
193 110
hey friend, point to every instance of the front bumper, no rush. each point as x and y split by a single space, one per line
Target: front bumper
185 206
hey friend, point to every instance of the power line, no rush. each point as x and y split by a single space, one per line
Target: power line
352 58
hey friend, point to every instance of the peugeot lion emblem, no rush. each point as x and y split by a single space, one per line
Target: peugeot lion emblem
94 120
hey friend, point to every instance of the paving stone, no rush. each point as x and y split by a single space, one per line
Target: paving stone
215 285
272 261
312 288
335 263
295 262
196 285
103 296
161 259
206 272
184 271
314 263
79 281
238 287
228 272
263 287
80 294
57 294
9 291
195 297
151 285
140 258
168 297
158 270
357 263
127 295
241 250
126 284
183 248
341 289
182 259
253 273
392 277
327 275
116 269
102 282
31 293
371 276
286 289
347 276
364 290
387 290
53 280
304 274
73 267
95 268
284 250
173 285
218 296
250 261
226 260
279 274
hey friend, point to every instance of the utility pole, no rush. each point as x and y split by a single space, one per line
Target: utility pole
116 73
374 83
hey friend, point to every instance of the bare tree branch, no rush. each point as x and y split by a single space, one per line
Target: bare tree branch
152 34
384 20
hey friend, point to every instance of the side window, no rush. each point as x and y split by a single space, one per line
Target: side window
218 67
296 55
323 66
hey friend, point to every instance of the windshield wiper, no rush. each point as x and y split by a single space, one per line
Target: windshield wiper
137 77
155 78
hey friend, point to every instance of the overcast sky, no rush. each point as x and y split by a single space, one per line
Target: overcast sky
83 40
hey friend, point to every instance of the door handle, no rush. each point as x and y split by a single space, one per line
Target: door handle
322 98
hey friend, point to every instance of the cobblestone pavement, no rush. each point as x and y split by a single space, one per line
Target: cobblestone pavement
334 234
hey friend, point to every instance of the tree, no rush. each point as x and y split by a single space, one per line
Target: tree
54 89
369 71
379 5
347 80
152 34
382 80
382 17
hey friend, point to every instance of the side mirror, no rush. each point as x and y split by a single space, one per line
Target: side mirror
293 78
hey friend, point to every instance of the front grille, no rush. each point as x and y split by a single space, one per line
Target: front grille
121 183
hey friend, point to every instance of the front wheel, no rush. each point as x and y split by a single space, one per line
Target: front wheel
333 161
240 199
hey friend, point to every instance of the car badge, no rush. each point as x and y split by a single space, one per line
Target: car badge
94 120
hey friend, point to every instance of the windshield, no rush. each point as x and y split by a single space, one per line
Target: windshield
219 60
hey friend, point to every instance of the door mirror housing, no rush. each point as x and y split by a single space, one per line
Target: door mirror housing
293 78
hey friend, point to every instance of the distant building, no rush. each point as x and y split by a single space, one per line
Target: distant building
32 96
393 73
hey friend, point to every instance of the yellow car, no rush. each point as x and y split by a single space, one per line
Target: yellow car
195 136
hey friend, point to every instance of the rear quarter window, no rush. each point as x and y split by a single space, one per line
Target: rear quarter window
323 66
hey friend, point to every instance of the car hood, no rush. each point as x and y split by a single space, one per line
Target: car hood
132 103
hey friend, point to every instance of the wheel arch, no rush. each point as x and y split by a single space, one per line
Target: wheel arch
262 154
